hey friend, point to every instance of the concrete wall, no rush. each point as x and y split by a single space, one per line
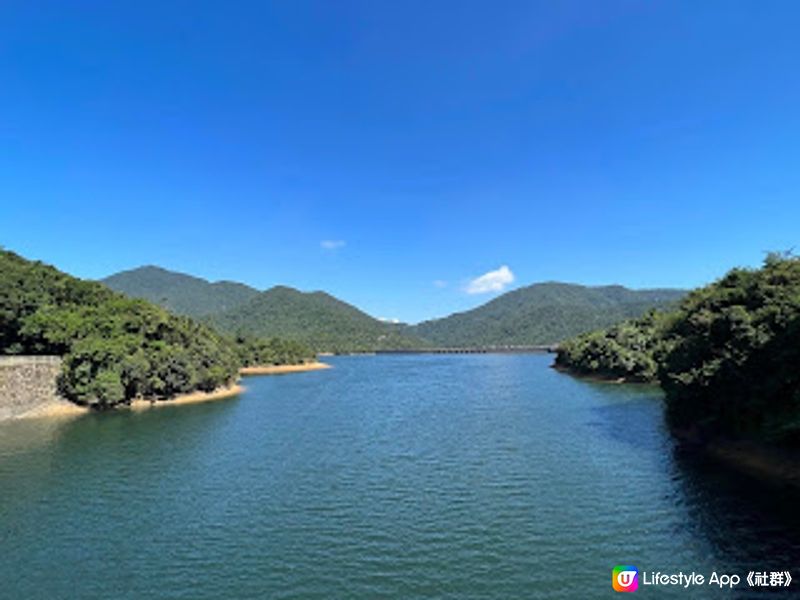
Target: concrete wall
27 383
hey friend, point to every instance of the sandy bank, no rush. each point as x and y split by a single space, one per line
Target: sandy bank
65 408
58 409
281 369
192 398
758 461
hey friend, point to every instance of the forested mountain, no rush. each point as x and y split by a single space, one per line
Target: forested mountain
117 348
180 293
543 313
314 318
728 357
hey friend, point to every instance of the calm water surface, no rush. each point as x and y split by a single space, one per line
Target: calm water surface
400 477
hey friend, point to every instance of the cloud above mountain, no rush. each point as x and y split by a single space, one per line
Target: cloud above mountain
493 281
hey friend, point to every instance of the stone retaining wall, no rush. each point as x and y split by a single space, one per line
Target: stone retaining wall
27 383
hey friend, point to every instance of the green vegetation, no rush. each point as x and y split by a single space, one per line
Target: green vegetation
119 349
316 319
179 293
727 358
272 351
541 314
116 348
629 350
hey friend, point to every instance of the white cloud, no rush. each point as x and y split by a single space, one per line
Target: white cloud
493 281
440 283
389 320
332 244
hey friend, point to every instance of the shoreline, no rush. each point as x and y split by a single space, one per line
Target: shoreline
283 369
750 458
190 398
56 409
65 409
600 378
758 461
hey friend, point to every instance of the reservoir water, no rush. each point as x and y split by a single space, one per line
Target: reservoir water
387 477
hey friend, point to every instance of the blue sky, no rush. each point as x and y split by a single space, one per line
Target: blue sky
393 152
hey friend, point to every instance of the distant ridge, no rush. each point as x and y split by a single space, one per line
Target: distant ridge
543 313
539 314
180 293
315 318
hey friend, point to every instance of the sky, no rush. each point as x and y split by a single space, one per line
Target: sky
412 158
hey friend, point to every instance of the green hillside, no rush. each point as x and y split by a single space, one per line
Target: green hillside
180 293
543 313
114 348
117 348
315 318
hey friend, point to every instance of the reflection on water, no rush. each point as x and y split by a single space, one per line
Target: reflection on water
751 524
23 435
728 517
393 477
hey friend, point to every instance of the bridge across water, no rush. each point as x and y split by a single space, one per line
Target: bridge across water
479 350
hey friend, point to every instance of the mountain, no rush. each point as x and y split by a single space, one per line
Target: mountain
543 313
315 318
180 293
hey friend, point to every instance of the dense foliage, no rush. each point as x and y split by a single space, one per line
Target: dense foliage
728 358
271 351
629 350
316 319
116 348
734 361
544 313
179 293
